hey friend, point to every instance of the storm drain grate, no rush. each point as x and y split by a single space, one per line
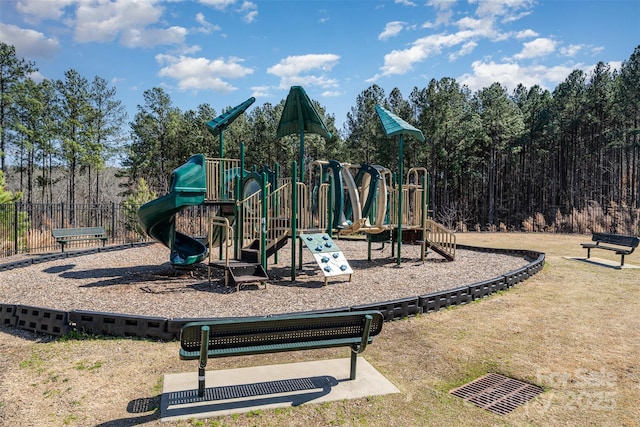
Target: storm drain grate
497 393
252 390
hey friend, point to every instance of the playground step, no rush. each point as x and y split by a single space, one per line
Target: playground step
251 254
248 279
245 273
242 273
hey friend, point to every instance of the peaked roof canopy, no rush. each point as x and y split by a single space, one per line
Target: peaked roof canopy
217 125
299 115
394 125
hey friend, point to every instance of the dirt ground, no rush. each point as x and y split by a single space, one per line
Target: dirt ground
572 329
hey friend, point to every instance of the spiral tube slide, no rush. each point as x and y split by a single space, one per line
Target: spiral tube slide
158 217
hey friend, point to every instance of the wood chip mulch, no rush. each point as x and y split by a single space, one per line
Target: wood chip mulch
140 281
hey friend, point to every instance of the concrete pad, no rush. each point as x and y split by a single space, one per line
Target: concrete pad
603 262
242 390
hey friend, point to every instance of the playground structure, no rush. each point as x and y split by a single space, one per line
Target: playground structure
258 212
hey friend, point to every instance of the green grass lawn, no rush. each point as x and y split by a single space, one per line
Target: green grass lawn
573 329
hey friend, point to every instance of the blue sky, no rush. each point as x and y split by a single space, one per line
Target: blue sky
222 52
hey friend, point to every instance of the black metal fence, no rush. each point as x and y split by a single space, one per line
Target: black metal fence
26 228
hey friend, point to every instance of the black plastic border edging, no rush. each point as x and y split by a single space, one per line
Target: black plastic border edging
99 323
61 255
58 323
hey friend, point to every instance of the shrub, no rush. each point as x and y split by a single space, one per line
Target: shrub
10 220
139 196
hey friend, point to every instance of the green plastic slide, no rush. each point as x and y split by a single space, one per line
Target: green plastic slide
158 217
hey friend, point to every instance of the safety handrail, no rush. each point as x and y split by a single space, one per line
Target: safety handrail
278 214
439 236
226 240
251 218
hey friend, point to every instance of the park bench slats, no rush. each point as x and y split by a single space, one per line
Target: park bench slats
271 348
70 235
622 245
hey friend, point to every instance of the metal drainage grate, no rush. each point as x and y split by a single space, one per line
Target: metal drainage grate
144 404
252 390
497 393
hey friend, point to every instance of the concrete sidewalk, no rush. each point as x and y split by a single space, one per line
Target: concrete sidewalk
604 262
265 387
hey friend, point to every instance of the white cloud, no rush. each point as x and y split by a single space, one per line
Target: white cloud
615 65
443 8
250 11
297 64
205 26
466 49
331 93
188 50
307 80
471 29
483 27
401 61
28 43
307 70
536 48
392 29
250 16
260 91
38 10
405 2
218 4
526 34
127 21
247 8
105 21
37 77
153 37
511 74
200 19
508 10
571 50
202 73
469 23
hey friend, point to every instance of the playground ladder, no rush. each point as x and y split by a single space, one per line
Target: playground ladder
237 273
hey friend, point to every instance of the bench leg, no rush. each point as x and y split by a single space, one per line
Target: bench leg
204 349
354 360
588 252
355 350
622 261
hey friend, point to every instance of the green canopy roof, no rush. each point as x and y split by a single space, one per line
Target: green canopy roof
217 125
394 125
299 115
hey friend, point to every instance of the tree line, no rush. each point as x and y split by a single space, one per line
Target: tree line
493 155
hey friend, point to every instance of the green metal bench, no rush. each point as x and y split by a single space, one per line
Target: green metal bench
257 335
70 235
623 245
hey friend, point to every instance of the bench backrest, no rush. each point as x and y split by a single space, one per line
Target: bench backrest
84 231
232 333
616 239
